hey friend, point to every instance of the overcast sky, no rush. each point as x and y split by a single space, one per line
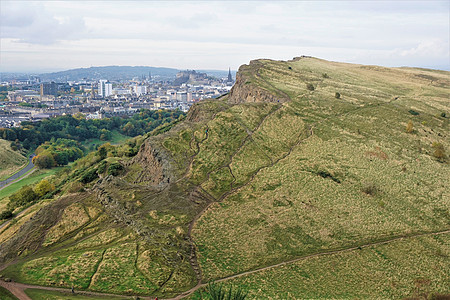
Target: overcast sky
41 36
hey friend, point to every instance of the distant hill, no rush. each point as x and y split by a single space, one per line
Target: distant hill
120 72
109 72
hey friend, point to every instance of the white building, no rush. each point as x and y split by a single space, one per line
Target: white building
104 88
139 89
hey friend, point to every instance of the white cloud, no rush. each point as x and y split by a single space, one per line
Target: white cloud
219 34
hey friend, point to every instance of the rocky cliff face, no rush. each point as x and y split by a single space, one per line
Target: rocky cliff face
156 169
245 89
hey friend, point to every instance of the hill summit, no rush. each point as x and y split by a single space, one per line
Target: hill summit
310 179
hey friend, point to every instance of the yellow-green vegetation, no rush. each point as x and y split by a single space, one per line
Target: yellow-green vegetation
10 161
300 159
37 294
408 268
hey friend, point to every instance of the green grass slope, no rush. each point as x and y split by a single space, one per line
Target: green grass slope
10 161
279 174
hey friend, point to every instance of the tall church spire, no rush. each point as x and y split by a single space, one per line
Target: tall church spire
230 78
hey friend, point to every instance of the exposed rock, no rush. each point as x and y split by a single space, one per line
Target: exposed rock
155 163
245 91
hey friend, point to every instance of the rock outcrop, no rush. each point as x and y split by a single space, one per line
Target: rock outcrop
245 89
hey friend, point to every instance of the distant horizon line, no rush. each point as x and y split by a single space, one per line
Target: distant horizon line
47 71
69 69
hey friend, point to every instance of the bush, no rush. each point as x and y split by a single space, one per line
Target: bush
325 75
101 167
89 176
43 187
370 189
410 127
439 151
337 95
114 168
217 292
22 197
443 114
310 87
413 112
6 214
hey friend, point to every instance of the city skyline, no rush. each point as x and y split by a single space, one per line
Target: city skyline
46 36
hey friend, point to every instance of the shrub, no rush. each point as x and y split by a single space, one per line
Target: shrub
413 112
89 176
337 95
101 167
114 168
410 127
6 214
217 292
325 75
310 87
370 189
439 151
43 187
22 197
443 115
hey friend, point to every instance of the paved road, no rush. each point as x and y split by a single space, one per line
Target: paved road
18 174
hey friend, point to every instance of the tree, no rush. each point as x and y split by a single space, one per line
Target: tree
44 161
410 127
43 187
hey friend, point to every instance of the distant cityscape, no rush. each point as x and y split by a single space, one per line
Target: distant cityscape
33 99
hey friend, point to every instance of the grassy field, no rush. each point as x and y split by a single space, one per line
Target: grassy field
10 161
116 139
411 268
6 295
303 174
37 294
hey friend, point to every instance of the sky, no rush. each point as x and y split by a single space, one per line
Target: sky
45 36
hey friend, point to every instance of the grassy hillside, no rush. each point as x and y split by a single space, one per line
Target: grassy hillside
10 161
324 173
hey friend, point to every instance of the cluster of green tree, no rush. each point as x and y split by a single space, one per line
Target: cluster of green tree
33 134
33 104
4 92
59 152
27 195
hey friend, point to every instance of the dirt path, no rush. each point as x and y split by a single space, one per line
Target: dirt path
15 290
18 289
